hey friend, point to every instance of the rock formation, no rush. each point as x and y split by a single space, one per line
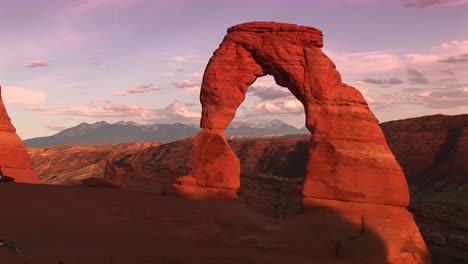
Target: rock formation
14 159
349 159
350 169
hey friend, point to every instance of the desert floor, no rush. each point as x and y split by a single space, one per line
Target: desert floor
59 224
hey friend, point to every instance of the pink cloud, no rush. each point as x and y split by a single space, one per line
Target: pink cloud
145 88
294 105
56 127
174 112
185 84
197 74
364 92
37 63
22 96
37 108
364 62
269 107
440 52
425 94
432 3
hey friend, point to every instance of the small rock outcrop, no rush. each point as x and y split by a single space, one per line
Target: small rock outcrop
14 159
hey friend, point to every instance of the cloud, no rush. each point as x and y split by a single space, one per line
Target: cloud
416 77
169 73
440 52
269 93
448 72
460 59
286 107
185 84
189 57
22 96
390 81
37 63
412 89
145 88
197 74
445 98
56 127
364 62
294 105
178 111
269 108
181 58
37 108
174 112
109 110
364 92
431 3
265 82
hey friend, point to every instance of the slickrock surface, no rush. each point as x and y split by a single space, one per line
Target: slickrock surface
14 159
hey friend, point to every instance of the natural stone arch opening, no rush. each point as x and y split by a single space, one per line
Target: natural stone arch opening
268 105
348 157
274 165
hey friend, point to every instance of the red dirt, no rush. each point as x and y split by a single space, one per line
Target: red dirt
101 225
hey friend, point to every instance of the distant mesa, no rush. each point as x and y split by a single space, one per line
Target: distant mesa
14 159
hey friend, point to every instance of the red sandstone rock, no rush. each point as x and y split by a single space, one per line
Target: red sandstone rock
392 224
14 159
214 164
348 156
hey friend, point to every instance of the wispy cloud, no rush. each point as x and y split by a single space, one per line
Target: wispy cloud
390 81
281 107
37 108
445 98
269 93
364 62
432 3
56 127
460 59
416 77
449 72
185 84
37 63
145 88
174 112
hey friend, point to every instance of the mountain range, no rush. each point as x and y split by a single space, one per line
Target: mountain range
123 131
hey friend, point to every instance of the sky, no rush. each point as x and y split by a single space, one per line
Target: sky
64 62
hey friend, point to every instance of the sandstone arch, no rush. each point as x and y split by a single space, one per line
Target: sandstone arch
14 159
349 159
